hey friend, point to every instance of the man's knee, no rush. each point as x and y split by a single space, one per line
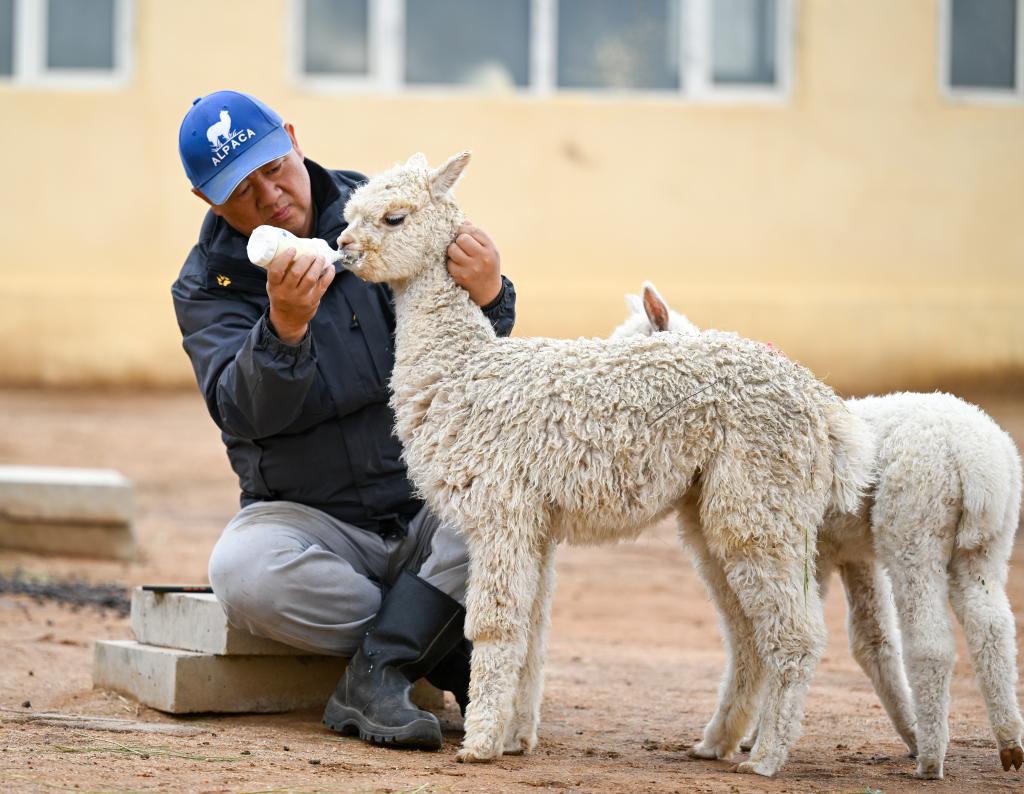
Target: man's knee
247 592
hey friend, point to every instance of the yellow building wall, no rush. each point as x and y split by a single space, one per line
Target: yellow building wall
866 225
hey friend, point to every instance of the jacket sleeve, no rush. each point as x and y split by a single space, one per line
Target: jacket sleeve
502 310
254 384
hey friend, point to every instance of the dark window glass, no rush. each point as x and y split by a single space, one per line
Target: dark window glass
743 41
619 45
335 36
983 52
6 37
80 34
467 42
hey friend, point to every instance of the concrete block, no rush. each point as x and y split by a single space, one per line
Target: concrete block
115 541
62 495
196 622
183 682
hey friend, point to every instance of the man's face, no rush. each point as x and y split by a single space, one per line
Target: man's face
277 194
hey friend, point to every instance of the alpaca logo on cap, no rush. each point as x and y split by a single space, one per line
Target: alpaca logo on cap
222 129
223 139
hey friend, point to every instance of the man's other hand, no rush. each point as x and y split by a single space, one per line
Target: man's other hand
295 285
475 264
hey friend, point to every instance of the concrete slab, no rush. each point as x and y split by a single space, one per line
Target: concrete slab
65 495
196 622
115 541
183 682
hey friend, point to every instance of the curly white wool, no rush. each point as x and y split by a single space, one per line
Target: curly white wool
522 443
941 523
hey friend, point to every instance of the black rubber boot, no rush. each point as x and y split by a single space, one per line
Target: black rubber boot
417 626
452 673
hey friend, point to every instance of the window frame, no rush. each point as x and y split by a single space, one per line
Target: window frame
386 58
992 96
29 68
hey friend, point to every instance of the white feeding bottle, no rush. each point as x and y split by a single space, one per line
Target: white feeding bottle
266 242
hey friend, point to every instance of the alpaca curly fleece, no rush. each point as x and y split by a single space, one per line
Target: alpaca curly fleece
941 523
523 443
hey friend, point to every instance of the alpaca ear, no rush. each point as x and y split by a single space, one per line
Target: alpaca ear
655 307
633 304
444 178
419 159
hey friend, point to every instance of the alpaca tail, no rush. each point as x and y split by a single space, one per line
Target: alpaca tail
853 457
990 476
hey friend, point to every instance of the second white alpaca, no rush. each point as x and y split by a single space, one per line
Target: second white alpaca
523 443
941 523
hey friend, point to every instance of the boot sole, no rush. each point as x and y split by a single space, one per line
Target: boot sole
419 734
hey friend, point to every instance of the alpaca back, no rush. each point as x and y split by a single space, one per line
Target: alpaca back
625 424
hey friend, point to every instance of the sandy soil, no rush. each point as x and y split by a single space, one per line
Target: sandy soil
632 674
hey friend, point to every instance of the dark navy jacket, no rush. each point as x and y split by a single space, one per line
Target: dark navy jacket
307 423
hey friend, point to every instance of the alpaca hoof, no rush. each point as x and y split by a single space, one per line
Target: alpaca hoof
465 756
929 769
520 745
708 752
755 768
700 751
748 744
1011 756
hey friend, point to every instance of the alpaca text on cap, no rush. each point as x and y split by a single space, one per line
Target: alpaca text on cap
224 137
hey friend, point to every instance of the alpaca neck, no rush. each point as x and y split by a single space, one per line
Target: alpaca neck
437 322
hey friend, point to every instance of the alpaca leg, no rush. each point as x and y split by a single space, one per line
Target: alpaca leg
503 582
977 590
741 681
823 572
789 632
919 589
875 643
522 734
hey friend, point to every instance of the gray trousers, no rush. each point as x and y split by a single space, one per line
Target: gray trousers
300 576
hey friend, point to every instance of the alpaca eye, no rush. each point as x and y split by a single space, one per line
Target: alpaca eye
394 220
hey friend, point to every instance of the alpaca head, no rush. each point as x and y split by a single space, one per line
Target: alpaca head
224 116
402 220
650 314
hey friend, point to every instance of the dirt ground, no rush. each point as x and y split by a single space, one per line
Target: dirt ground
632 674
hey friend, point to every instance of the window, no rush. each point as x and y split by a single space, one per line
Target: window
610 44
743 42
336 36
65 43
691 48
981 46
6 38
483 43
80 34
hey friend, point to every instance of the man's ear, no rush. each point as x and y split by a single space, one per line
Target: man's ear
290 129
213 207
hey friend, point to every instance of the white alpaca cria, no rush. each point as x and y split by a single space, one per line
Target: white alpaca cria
522 443
942 521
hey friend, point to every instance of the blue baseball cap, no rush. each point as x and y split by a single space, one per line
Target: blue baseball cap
224 137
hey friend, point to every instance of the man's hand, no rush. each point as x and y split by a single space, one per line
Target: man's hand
475 264
295 285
